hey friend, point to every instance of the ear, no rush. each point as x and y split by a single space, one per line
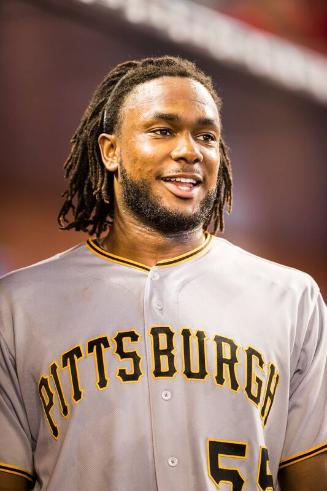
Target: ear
109 151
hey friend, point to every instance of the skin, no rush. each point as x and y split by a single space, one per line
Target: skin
308 475
150 148
11 482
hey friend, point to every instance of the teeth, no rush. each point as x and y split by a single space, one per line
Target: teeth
182 179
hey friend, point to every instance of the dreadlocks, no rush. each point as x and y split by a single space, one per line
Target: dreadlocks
89 196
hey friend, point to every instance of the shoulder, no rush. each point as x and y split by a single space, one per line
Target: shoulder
42 272
255 271
42 290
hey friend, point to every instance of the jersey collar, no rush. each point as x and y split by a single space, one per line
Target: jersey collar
94 247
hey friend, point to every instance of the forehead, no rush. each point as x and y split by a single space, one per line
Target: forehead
170 94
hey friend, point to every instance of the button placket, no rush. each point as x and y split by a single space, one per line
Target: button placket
156 302
166 454
166 395
158 305
172 461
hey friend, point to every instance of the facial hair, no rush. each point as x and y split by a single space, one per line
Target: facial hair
145 206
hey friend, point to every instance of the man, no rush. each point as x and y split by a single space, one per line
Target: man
159 356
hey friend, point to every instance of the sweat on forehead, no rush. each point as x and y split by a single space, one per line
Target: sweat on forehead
89 197
168 92
141 73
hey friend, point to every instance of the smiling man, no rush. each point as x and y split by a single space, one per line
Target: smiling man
157 356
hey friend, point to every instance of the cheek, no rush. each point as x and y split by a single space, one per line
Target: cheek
139 158
213 164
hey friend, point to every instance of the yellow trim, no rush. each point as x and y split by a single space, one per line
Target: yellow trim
68 365
193 337
228 456
48 416
187 255
12 469
93 353
198 251
267 469
173 352
54 363
124 368
227 378
303 455
98 251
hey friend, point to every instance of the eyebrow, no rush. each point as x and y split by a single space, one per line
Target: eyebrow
174 118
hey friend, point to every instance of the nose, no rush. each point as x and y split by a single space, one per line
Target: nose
187 150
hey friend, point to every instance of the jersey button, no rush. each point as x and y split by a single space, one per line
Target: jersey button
159 305
155 276
166 395
172 461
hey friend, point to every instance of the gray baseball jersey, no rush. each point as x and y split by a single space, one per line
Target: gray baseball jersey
206 371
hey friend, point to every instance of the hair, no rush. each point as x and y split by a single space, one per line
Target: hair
90 195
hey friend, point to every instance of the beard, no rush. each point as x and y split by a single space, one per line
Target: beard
149 209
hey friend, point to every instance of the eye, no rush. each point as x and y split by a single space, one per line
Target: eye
162 131
207 137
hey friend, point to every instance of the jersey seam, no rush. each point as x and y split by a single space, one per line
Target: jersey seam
314 303
148 381
306 454
270 261
14 364
48 260
12 356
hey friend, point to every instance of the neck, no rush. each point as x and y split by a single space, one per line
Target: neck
132 239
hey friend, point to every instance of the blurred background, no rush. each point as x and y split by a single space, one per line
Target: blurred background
268 59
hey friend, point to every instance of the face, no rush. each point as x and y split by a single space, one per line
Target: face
165 155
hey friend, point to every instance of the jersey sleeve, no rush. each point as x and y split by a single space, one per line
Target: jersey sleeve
15 440
306 433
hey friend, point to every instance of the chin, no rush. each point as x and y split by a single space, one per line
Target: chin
184 206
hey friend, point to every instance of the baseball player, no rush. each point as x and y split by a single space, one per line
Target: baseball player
157 356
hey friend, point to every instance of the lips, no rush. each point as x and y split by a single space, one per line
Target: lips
182 186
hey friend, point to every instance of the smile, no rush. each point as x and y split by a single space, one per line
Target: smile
185 180
183 187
